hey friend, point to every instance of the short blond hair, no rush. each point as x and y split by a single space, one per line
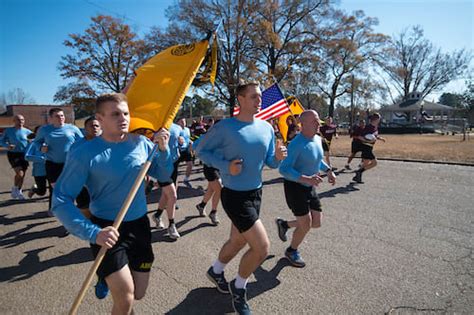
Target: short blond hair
109 97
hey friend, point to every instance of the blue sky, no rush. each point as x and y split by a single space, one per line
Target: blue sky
32 31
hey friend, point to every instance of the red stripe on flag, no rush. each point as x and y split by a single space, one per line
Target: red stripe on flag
274 114
278 108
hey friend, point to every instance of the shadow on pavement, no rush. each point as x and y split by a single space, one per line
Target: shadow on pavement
15 202
266 279
340 190
204 301
210 301
19 237
30 265
4 220
184 192
162 235
273 181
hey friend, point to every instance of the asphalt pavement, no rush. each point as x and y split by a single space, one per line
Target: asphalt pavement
401 243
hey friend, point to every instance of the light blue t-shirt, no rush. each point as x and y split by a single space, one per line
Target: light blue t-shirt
34 154
230 139
186 134
174 131
59 140
17 137
108 171
305 157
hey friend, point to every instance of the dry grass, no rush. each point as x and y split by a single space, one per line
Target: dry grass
430 147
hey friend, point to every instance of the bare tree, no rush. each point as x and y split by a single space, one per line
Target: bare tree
412 63
191 19
281 34
16 96
347 46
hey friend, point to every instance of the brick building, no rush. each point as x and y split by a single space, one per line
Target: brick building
35 115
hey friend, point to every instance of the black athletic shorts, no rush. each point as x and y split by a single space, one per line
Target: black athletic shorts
242 207
53 171
300 199
185 156
367 153
174 176
133 247
210 173
356 146
17 159
325 144
83 199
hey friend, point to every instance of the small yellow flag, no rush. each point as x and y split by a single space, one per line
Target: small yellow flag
161 84
295 109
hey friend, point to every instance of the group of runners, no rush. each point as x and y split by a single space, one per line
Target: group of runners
105 163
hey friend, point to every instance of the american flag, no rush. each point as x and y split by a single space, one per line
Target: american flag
273 104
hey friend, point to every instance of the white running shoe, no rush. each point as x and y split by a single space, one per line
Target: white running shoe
14 192
159 223
20 195
173 232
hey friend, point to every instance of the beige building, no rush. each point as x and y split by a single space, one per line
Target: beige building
35 115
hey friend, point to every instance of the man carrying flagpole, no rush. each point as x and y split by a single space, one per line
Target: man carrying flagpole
239 147
108 165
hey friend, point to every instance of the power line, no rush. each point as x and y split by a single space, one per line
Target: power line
121 16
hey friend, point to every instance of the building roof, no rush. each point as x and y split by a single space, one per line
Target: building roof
415 106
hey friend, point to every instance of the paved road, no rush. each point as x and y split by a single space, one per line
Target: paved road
400 243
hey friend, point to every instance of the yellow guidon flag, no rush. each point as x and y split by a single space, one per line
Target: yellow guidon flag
295 110
160 85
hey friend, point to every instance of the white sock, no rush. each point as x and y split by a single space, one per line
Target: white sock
218 267
240 283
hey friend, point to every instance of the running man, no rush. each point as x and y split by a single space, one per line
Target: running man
108 166
55 141
368 137
168 187
301 172
34 154
91 130
356 145
239 147
328 131
185 149
15 139
213 191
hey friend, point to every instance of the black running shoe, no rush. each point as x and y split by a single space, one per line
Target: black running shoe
219 280
281 230
239 299
358 177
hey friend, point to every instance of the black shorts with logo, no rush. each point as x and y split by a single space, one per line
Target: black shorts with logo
367 152
17 159
210 173
242 207
356 146
174 176
53 170
301 199
133 247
